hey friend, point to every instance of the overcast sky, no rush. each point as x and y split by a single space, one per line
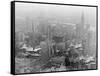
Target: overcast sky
73 13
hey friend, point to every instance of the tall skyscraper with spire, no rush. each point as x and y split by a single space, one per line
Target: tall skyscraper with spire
82 19
80 27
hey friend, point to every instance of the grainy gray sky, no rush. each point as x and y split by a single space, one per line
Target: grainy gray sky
71 13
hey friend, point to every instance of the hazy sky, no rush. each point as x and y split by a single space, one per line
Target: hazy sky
72 13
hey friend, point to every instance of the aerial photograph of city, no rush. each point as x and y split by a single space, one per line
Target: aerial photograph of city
54 38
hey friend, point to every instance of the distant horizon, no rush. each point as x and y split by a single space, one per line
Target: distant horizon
70 13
